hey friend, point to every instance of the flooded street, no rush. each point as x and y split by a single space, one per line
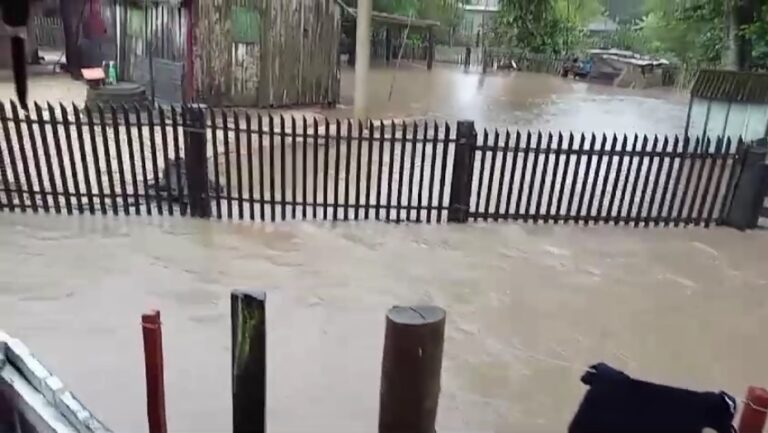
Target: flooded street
528 307
518 100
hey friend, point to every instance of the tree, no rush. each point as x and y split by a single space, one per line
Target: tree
544 26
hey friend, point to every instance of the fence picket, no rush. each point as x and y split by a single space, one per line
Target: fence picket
143 158
294 157
723 163
305 145
315 165
595 180
166 160
401 175
543 182
632 215
509 212
30 187
689 177
614 208
358 168
564 178
54 193
131 160
700 163
249 165
502 176
326 159
72 159
574 181
15 183
666 162
706 194
433 167
521 184
379 170
272 198
477 189
420 198
83 159
532 180
347 169
283 194
599 216
584 196
678 179
238 165
108 161
647 178
491 176
94 153
262 177
444 172
215 152
60 158
177 159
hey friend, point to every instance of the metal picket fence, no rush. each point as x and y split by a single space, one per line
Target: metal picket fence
229 164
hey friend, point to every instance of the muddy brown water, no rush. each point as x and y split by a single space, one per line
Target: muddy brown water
528 305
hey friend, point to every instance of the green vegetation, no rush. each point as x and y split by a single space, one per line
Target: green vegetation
544 26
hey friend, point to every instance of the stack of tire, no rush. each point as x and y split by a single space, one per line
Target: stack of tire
124 93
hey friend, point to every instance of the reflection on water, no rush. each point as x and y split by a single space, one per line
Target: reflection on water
518 99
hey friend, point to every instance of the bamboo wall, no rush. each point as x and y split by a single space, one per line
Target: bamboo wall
267 52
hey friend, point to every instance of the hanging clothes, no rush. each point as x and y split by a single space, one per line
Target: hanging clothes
94 26
617 403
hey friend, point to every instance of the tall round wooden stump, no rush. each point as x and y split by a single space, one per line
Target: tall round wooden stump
410 369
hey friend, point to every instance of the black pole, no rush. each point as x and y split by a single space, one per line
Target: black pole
749 190
410 369
463 167
196 161
249 361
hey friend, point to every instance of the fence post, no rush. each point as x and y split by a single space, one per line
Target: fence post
410 369
249 361
753 416
463 168
749 189
196 161
153 368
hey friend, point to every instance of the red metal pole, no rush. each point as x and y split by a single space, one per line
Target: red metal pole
753 416
153 366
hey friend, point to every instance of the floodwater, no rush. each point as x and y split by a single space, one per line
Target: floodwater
500 100
528 307
517 99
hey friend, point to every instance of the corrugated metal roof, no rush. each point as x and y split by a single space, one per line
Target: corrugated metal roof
733 86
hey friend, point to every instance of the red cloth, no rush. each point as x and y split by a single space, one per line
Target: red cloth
94 26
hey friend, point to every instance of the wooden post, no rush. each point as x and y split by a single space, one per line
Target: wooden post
430 49
749 190
410 369
249 361
196 161
362 57
753 416
153 368
463 169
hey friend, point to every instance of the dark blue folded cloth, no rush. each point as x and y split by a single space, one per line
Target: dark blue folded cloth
617 403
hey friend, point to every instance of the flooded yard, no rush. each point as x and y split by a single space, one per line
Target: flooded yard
529 306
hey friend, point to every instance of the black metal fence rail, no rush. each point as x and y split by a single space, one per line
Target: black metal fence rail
248 166
600 179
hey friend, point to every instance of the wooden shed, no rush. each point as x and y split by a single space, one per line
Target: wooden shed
261 53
